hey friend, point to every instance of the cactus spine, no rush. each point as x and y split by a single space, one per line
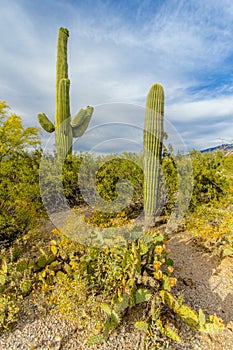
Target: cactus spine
64 128
153 141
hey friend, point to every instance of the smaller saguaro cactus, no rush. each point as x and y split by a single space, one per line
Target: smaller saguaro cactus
65 128
153 141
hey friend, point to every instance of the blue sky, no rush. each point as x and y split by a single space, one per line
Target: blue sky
116 51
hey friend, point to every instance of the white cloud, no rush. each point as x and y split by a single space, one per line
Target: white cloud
202 110
204 123
115 56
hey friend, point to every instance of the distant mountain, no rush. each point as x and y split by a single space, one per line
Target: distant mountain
224 146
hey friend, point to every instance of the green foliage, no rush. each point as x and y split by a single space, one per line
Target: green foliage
141 325
209 180
142 295
22 265
213 325
190 317
210 183
171 333
112 176
228 165
14 138
97 286
106 174
42 261
70 179
20 203
169 181
9 308
26 286
228 251
15 252
94 339
16 279
210 221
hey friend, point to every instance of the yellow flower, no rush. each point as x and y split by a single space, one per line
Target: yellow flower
157 265
217 321
170 269
172 281
159 249
158 274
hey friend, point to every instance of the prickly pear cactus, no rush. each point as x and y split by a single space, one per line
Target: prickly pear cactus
153 141
65 128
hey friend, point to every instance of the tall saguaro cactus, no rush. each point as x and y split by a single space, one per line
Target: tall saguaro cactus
153 141
65 128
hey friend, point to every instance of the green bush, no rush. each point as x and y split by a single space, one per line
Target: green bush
16 278
108 177
208 177
210 183
70 176
9 309
228 165
107 174
96 286
20 202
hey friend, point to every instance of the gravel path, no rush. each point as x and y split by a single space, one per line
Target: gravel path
204 281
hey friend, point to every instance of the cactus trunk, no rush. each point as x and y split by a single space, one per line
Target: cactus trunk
153 141
63 131
64 128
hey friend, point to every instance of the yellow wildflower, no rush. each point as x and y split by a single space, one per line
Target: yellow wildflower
170 269
158 274
157 265
172 281
159 249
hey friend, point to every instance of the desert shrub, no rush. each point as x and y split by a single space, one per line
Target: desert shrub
208 178
16 279
105 177
211 222
9 309
210 218
87 179
169 183
102 174
20 266
104 220
228 164
70 175
210 182
96 286
228 172
20 203
116 171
